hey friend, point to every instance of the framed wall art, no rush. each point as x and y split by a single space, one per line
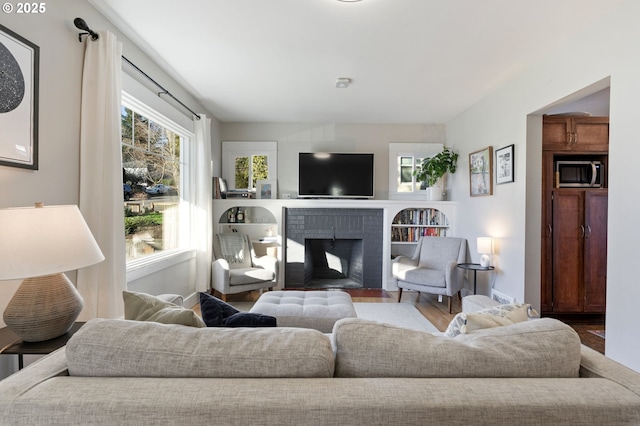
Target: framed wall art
267 189
19 72
504 165
481 172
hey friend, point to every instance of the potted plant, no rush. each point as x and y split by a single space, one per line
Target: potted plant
432 169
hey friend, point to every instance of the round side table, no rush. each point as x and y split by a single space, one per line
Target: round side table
475 267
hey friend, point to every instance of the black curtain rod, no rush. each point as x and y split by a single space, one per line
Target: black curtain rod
82 25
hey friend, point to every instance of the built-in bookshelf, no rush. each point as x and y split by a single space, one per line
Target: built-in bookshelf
411 224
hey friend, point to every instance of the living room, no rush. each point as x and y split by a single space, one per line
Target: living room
510 114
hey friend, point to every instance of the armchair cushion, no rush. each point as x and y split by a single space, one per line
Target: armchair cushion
241 276
234 248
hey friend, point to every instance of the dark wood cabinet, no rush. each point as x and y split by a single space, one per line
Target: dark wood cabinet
579 238
576 134
574 220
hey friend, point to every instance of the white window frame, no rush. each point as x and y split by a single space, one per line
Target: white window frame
231 150
397 150
147 265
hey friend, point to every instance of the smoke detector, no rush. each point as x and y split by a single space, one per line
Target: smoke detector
343 83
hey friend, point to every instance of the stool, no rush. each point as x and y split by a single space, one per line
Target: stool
306 309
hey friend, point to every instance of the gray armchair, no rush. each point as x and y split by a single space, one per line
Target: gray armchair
236 267
433 267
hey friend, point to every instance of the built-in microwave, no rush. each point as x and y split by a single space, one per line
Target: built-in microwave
579 174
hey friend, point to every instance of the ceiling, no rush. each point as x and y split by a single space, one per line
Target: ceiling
410 61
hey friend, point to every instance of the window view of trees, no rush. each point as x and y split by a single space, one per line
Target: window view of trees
250 171
151 184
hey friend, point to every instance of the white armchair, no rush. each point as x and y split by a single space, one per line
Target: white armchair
236 267
433 267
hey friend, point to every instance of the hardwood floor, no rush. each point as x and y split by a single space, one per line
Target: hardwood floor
437 313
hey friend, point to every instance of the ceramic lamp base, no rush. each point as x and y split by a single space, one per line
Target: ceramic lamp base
43 308
485 260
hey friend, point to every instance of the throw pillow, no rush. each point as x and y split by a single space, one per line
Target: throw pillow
246 319
217 313
496 316
145 307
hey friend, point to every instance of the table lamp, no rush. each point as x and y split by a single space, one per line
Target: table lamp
485 248
40 243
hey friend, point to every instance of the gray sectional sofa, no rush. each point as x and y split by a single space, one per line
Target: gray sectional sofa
364 373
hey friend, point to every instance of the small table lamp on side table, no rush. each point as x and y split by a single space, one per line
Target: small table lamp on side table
39 244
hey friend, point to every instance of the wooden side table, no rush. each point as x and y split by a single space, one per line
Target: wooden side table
475 267
11 344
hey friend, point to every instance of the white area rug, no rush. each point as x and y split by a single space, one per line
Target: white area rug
399 314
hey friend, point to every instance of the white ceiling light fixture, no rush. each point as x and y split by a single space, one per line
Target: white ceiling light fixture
343 83
349 1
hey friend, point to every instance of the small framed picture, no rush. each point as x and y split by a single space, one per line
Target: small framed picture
481 172
267 189
504 165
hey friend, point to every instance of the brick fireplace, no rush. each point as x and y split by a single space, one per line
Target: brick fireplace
333 247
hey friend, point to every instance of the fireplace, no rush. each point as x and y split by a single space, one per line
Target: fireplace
333 248
333 263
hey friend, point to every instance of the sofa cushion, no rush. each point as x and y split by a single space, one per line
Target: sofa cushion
540 348
495 316
145 307
121 348
217 313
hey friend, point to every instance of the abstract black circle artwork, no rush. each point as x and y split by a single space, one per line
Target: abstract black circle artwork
19 72
11 81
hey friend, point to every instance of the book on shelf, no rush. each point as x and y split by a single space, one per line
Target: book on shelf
422 216
412 234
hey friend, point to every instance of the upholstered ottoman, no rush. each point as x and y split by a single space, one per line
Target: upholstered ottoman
306 309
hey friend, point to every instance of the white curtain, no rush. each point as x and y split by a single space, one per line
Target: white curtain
101 285
201 224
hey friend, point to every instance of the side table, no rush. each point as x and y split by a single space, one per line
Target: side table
11 344
475 267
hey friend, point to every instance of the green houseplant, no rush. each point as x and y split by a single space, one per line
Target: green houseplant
432 169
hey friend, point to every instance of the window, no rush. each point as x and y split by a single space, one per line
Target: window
245 163
153 166
403 160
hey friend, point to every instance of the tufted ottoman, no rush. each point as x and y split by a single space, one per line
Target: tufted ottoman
306 309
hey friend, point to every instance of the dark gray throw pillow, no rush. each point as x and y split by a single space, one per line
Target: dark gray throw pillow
217 313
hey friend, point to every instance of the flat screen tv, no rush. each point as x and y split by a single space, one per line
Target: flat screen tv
335 175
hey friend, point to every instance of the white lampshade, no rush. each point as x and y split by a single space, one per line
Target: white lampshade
37 241
38 244
485 248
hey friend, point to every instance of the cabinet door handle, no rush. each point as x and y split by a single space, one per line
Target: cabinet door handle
588 231
569 138
549 230
575 138
581 231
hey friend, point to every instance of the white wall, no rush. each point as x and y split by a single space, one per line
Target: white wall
335 137
61 55
513 215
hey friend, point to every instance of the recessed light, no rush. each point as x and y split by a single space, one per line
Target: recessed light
343 83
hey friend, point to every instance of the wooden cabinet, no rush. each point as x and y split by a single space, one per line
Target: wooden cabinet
574 220
579 255
575 134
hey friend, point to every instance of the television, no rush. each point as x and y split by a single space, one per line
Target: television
335 175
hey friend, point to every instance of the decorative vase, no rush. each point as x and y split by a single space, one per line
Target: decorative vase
434 193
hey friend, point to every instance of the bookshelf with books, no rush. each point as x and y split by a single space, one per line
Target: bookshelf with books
410 224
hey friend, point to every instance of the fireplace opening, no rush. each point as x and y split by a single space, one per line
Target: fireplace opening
333 263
